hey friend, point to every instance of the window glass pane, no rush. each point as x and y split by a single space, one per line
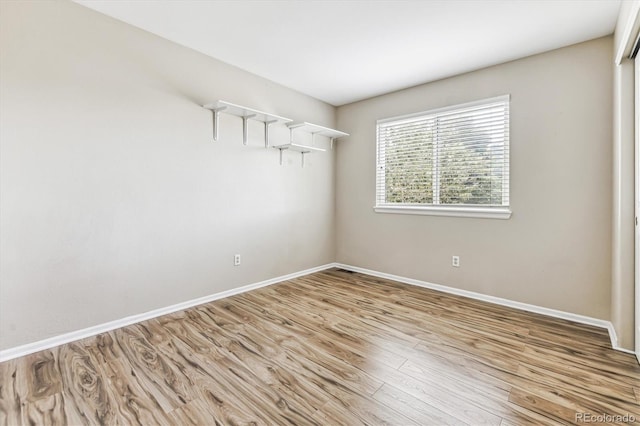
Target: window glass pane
457 156
409 166
471 162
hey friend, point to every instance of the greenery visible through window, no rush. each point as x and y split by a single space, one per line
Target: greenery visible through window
456 156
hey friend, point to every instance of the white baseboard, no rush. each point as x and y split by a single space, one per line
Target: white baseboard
582 319
51 342
614 340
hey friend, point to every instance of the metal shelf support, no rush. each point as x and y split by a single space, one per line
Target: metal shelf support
266 132
245 128
245 113
216 119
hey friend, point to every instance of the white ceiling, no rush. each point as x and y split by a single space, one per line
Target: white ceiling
344 51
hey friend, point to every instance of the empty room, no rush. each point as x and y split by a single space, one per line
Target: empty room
318 212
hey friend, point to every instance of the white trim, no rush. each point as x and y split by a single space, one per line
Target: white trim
466 105
582 319
61 339
614 340
51 342
629 33
478 212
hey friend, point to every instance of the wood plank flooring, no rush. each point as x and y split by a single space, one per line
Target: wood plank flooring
331 348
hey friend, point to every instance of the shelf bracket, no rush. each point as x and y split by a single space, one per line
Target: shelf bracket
281 149
302 155
332 141
216 117
266 132
245 128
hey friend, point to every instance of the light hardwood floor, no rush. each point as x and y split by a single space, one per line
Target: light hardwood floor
331 348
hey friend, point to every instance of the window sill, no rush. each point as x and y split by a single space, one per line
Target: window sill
476 212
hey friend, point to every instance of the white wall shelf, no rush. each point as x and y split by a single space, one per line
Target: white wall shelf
302 149
315 129
268 119
246 114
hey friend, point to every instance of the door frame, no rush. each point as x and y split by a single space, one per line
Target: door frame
637 194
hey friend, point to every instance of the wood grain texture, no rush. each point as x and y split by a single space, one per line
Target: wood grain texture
331 348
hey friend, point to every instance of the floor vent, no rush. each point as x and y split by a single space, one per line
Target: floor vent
344 270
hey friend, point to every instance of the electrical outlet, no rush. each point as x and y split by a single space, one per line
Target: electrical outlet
455 261
236 260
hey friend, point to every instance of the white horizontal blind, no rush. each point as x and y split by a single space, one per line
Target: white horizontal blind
456 156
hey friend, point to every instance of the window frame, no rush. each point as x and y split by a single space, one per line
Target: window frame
456 210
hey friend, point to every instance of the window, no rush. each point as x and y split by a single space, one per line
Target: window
452 161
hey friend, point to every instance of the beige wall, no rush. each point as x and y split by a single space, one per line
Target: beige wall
555 251
114 198
115 201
